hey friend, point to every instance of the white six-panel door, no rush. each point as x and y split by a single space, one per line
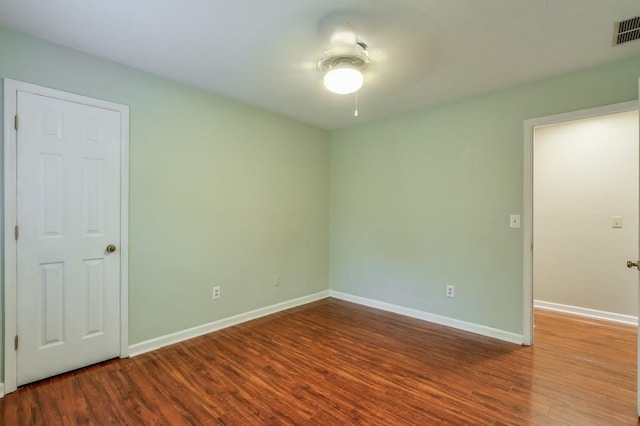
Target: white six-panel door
68 212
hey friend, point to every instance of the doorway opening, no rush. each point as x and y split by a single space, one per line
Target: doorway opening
581 214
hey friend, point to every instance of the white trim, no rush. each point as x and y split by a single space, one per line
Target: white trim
1 390
434 318
586 312
124 230
11 87
190 333
527 238
527 220
10 213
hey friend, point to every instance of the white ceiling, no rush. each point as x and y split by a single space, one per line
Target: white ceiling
264 52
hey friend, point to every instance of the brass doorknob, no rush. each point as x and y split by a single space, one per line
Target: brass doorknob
111 248
631 264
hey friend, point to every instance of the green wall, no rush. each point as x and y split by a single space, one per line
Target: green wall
220 193
423 200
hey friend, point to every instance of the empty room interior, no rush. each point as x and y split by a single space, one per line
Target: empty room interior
303 212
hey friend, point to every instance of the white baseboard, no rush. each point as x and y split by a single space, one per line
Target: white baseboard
586 312
1 390
437 319
170 339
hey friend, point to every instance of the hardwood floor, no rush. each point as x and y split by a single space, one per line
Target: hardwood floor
332 362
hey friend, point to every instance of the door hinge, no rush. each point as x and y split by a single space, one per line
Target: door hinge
15 232
16 342
16 121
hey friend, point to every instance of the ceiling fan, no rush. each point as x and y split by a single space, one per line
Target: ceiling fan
344 61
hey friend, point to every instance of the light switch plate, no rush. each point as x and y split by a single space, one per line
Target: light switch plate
514 221
616 221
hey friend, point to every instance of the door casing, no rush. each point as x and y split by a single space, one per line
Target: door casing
527 217
11 87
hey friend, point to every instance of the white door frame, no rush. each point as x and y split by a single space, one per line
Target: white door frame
10 301
527 219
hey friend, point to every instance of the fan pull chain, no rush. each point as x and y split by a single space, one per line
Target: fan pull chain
355 113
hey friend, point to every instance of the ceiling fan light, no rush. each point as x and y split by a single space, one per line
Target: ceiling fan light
343 80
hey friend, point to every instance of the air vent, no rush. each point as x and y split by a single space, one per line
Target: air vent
627 31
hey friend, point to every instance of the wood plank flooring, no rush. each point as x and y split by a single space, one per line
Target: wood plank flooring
336 363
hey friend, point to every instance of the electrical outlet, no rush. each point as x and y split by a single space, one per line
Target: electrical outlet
276 280
215 292
451 291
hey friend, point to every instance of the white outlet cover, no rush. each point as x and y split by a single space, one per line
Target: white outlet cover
450 291
514 221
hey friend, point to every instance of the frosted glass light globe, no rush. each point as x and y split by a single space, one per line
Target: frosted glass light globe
343 80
